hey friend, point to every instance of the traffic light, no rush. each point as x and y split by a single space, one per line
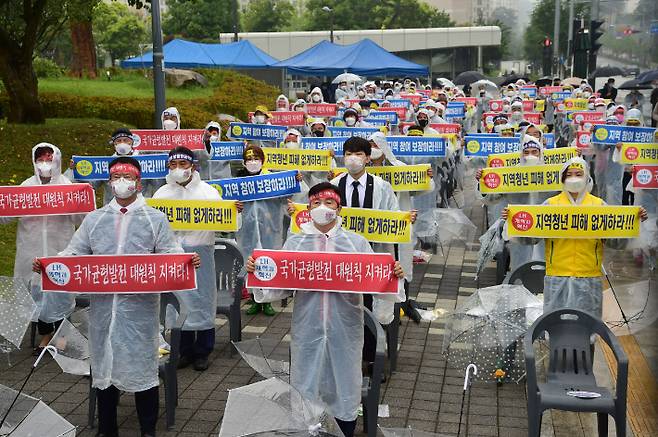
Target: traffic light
547 57
594 45
581 46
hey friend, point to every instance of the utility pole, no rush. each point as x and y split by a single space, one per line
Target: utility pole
158 58
570 38
235 20
556 39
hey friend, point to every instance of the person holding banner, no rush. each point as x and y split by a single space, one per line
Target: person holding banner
124 328
262 220
318 127
198 333
574 265
282 103
210 169
44 236
327 327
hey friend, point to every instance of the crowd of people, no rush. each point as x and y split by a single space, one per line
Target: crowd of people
329 349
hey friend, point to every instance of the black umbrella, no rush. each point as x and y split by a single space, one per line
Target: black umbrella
634 84
544 81
607 71
506 80
648 76
468 77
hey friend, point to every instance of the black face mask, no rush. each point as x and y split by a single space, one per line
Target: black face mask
423 122
318 133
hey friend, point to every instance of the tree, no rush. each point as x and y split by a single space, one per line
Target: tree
541 26
118 30
267 15
198 19
506 16
83 61
25 26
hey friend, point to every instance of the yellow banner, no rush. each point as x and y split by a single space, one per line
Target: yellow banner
198 215
559 155
296 159
401 178
639 153
540 105
375 225
521 179
575 104
544 221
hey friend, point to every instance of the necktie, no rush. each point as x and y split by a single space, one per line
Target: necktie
123 210
355 195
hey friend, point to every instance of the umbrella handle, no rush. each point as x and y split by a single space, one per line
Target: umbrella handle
470 367
50 348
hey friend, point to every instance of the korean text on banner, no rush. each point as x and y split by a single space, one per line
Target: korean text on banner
375 225
551 156
263 186
346 132
324 143
370 273
226 150
198 215
285 118
481 145
583 139
96 168
41 200
417 146
159 140
575 104
645 177
442 128
299 159
637 153
146 273
521 179
321 109
544 221
257 132
401 178
382 114
611 134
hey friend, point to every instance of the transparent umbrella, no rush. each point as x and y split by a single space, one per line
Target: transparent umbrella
71 349
446 82
486 328
266 356
274 407
347 77
17 310
491 242
445 226
29 416
488 85
630 307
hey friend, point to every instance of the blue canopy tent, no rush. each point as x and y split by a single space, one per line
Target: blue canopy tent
179 53
364 58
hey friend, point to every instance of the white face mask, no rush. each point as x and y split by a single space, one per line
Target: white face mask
350 121
575 184
253 166
431 113
315 98
169 125
323 215
506 108
45 169
343 87
180 175
376 153
531 160
260 119
299 109
292 145
354 164
214 138
123 148
123 188
362 94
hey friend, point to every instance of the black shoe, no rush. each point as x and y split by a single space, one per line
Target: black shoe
201 364
184 361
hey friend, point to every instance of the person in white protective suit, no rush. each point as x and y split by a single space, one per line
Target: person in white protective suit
282 103
327 327
574 276
315 96
124 333
170 118
531 153
44 236
198 333
608 173
342 91
358 189
211 170
262 224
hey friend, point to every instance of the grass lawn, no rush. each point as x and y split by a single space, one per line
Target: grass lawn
80 136
130 86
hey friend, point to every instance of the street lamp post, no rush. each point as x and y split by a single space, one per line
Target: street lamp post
158 57
331 22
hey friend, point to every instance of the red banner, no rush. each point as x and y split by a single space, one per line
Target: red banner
38 200
583 116
495 105
471 101
528 105
146 273
284 118
548 90
321 109
442 128
589 124
158 140
583 139
645 177
413 98
324 271
532 117
400 110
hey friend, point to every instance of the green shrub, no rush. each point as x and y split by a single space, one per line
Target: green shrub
44 67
